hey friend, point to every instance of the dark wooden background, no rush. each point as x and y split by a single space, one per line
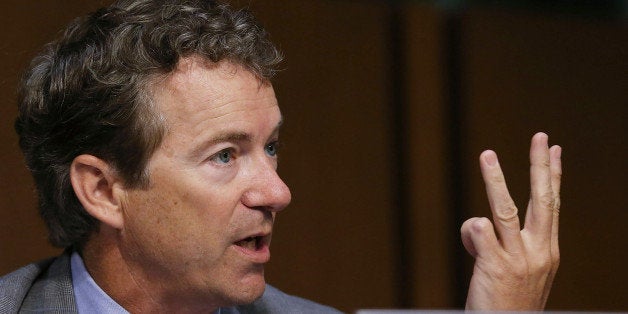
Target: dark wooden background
387 107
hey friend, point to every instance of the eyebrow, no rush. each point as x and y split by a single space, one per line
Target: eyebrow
230 136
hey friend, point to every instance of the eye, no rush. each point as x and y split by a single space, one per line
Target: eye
223 157
272 148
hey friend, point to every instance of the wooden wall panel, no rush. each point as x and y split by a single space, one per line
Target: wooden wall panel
567 77
428 134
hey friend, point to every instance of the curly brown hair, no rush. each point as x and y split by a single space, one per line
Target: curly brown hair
89 92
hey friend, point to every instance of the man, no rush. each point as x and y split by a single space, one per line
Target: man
151 129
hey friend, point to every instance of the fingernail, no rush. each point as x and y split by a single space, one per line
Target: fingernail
542 135
491 159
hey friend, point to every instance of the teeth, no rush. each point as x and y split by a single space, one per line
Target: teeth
248 243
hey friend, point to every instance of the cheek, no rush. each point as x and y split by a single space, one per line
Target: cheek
182 216
149 218
166 232
184 210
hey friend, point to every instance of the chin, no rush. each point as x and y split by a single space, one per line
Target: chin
248 290
252 295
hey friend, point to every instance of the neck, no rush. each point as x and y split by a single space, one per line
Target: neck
128 283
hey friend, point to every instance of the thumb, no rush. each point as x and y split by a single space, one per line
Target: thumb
478 236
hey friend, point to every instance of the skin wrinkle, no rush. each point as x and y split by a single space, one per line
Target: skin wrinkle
206 123
179 84
221 106
232 112
508 213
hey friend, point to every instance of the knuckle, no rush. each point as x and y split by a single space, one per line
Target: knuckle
508 212
542 265
547 200
519 274
545 266
480 225
467 225
541 163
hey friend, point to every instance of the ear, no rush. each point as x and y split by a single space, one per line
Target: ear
99 189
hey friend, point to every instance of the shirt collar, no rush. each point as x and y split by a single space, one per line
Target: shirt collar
90 298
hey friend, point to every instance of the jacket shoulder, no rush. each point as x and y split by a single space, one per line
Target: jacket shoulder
14 286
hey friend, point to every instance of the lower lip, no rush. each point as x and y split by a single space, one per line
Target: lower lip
260 255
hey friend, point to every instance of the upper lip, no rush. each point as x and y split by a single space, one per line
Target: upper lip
263 235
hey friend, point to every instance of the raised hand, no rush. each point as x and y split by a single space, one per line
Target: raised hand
514 268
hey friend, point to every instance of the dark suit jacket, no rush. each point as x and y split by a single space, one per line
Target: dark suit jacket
46 286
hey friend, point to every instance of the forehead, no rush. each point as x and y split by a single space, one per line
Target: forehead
200 89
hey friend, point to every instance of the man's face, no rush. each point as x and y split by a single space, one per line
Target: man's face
201 231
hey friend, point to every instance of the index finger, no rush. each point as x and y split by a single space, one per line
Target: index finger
503 207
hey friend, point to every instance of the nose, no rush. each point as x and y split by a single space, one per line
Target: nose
266 190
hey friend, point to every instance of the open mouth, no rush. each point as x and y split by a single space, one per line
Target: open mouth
255 248
251 243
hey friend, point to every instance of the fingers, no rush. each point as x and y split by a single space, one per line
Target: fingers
503 207
540 211
515 271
